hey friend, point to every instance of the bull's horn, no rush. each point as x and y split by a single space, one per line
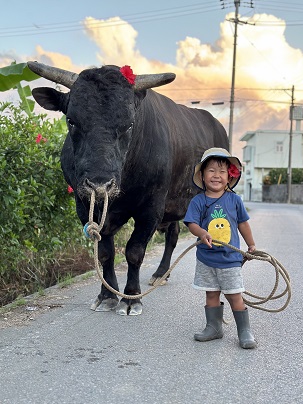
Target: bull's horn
54 74
67 79
145 81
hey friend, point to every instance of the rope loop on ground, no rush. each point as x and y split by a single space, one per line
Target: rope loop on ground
92 230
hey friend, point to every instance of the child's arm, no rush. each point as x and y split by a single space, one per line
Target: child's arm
246 233
203 235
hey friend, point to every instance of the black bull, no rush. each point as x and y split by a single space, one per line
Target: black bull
140 147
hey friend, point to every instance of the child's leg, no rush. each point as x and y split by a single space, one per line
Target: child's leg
213 298
206 278
236 301
240 312
214 318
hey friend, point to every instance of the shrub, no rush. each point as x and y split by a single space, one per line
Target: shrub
37 216
280 175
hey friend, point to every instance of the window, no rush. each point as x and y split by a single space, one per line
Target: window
279 147
247 153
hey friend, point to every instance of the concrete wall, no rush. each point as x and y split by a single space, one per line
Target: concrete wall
278 193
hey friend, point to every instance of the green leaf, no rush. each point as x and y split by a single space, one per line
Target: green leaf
11 75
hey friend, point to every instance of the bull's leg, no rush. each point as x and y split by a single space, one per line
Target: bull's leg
171 238
107 300
134 252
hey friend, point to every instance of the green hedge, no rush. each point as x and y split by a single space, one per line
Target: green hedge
37 217
281 173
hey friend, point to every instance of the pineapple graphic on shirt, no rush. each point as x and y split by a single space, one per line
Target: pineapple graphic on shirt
219 227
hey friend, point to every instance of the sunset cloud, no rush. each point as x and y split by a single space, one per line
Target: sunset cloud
266 65
56 59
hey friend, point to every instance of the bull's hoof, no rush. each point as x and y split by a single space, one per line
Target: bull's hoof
122 309
105 305
95 304
154 281
135 309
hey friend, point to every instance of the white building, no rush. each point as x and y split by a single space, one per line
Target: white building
265 150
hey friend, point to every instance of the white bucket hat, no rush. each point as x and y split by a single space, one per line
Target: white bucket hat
217 152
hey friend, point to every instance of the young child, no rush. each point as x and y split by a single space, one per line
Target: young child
218 213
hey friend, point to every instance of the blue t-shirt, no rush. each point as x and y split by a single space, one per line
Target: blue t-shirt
219 217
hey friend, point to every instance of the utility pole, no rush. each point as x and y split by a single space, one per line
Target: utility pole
233 77
232 92
289 169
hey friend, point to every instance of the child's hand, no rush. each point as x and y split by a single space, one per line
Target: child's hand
251 248
207 239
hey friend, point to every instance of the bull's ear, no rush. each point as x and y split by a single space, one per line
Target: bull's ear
139 96
49 98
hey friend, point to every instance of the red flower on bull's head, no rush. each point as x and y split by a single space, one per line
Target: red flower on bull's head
128 74
233 171
70 189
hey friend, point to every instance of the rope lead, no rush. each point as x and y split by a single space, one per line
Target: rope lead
92 231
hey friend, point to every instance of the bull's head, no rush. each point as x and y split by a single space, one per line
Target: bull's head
100 111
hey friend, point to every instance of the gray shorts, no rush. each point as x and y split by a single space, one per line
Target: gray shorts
227 280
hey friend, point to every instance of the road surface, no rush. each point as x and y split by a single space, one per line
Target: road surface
64 353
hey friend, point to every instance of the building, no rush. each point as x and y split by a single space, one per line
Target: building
265 150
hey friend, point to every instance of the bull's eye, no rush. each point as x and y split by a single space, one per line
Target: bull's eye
70 122
131 127
124 130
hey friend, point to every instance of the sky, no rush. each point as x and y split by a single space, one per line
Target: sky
193 39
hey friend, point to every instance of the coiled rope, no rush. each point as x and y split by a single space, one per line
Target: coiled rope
92 231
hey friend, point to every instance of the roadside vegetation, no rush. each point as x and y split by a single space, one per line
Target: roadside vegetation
41 236
279 176
39 227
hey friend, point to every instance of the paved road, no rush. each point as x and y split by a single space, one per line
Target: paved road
72 355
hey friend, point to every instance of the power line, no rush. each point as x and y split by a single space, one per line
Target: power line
285 6
227 88
53 28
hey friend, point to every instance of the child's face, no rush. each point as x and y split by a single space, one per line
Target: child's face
215 176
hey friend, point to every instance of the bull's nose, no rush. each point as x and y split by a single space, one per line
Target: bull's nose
89 184
109 185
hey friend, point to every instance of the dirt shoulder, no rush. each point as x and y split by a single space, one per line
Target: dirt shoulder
22 312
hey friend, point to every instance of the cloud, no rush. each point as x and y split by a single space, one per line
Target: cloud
116 40
266 65
56 59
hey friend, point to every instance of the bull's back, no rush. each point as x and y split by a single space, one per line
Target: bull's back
189 133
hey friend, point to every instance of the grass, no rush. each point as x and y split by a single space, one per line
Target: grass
67 280
20 301
87 275
70 264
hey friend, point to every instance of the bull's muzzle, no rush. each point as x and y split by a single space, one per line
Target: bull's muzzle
109 187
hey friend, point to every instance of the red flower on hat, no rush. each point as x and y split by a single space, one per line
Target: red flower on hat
233 171
128 74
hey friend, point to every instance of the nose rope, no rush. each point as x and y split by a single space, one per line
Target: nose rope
92 231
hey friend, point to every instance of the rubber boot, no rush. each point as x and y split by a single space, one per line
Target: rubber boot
246 338
214 320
